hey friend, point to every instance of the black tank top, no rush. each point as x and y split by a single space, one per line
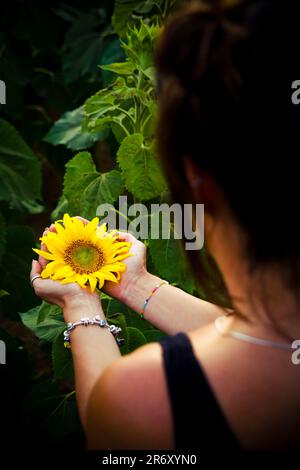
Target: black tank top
199 422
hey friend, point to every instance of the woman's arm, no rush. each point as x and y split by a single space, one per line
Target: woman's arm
170 309
93 348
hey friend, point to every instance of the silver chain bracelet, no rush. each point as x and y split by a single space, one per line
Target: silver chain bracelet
97 320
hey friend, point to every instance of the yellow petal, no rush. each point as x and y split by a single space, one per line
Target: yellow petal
55 240
45 254
100 279
51 268
81 280
90 228
69 226
110 277
62 232
63 272
79 227
93 283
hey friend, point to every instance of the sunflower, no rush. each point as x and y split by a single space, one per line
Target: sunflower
86 254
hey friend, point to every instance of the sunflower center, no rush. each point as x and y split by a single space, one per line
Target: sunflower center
84 257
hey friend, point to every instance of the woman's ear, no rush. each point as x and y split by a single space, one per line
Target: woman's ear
205 190
202 186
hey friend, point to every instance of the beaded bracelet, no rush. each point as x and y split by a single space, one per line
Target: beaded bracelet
97 320
142 314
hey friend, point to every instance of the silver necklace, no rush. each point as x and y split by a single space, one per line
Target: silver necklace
249 339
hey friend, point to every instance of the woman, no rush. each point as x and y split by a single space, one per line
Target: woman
225 123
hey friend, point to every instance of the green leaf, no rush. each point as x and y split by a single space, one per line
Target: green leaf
134 319
103 108
113 53
48 310
112 306
140 169
48 330
61 360
122 15
121 68
135 338
85 188
20 172
153 335
83 46
68 131
170 263
3 293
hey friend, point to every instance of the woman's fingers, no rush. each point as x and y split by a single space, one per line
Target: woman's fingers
85 221
36 270
52 228
126 236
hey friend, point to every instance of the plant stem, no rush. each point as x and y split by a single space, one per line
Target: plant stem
121 125
126 113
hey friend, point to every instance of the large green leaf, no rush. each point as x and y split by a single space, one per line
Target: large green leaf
140 169
122 15
20 173
169 262
136 338
85 188
47 330
68 131
48 310
83 46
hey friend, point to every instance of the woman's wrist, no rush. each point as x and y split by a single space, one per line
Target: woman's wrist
138 289
82 305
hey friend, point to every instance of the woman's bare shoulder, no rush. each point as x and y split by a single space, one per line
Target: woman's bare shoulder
129 406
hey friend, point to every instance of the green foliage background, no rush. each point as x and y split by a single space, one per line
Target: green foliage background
81 92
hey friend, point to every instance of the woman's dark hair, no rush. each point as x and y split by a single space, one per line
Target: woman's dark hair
225 72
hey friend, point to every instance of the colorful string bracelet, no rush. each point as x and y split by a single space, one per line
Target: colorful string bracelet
151 294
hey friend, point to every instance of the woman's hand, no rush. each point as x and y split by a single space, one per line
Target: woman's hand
135 268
